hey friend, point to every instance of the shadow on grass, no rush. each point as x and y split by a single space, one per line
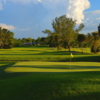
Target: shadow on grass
42 53
49 86
5 75
60 67
62 53
80 86
87 59
80 96
50 53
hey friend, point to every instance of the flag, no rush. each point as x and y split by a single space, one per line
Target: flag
71 55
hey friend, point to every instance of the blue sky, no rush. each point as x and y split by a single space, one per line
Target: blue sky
28 18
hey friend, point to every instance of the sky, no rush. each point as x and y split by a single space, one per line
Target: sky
28 18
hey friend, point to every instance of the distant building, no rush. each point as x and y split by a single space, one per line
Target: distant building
31 43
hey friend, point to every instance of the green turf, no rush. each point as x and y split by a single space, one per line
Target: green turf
36 79
37 66
32 85
39 53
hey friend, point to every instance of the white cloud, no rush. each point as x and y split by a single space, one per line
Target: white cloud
9 27
86 20
95 12
75 8
91 25
39 0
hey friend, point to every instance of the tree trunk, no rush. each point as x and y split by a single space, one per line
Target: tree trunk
69 48
82 48
1 46
58 48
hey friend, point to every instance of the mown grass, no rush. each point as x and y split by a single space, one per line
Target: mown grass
31 85
34 79
46 54
37 66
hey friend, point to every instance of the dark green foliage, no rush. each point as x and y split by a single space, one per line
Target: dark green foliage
81 38
95 42
18 42
43 41
65 44
51 41
99 29
64 31
6 39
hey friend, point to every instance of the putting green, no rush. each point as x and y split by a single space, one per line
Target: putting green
37 66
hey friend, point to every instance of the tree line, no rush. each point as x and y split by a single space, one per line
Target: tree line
7 40
64 35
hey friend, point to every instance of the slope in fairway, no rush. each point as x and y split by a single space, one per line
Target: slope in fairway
36 66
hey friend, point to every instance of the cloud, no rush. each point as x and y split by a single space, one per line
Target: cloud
9 27
95 15
91 21
95 12
1 4
74 8
39 0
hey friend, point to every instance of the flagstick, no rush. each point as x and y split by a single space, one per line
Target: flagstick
70 62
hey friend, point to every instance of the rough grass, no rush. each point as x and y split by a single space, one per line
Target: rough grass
49 86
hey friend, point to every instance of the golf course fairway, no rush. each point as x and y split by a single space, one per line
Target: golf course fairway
38 66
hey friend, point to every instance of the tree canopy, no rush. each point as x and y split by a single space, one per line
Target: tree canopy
64 31
6 38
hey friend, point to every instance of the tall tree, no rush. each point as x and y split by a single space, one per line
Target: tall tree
81 38
64 30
